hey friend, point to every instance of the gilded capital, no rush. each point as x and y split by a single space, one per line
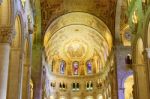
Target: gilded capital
6 34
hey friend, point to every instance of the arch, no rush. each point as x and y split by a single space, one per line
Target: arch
62 67
88 20
16 61
139 52
17 39
129 87
69 32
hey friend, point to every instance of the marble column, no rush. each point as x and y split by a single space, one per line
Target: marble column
15 75
141 82
5 40
4 62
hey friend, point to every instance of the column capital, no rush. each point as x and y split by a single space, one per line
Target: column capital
6 34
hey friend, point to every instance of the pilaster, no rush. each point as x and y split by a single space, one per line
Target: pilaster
6 35
141 82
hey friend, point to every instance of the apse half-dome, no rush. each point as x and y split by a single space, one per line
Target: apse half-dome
77 47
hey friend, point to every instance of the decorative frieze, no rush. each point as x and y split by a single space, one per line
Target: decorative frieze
6 34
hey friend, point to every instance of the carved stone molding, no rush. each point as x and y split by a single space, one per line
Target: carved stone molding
6 34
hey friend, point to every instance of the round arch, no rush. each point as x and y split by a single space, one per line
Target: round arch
18 33
16 59
86 31
83 18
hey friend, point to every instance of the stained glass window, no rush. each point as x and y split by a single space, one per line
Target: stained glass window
89 66
75 67
62 67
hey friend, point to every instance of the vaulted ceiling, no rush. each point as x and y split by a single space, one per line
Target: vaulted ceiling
103 9
77 38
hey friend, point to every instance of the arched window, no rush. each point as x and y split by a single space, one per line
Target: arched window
75 67
62 86
62 67
89 66
89 86
75 86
